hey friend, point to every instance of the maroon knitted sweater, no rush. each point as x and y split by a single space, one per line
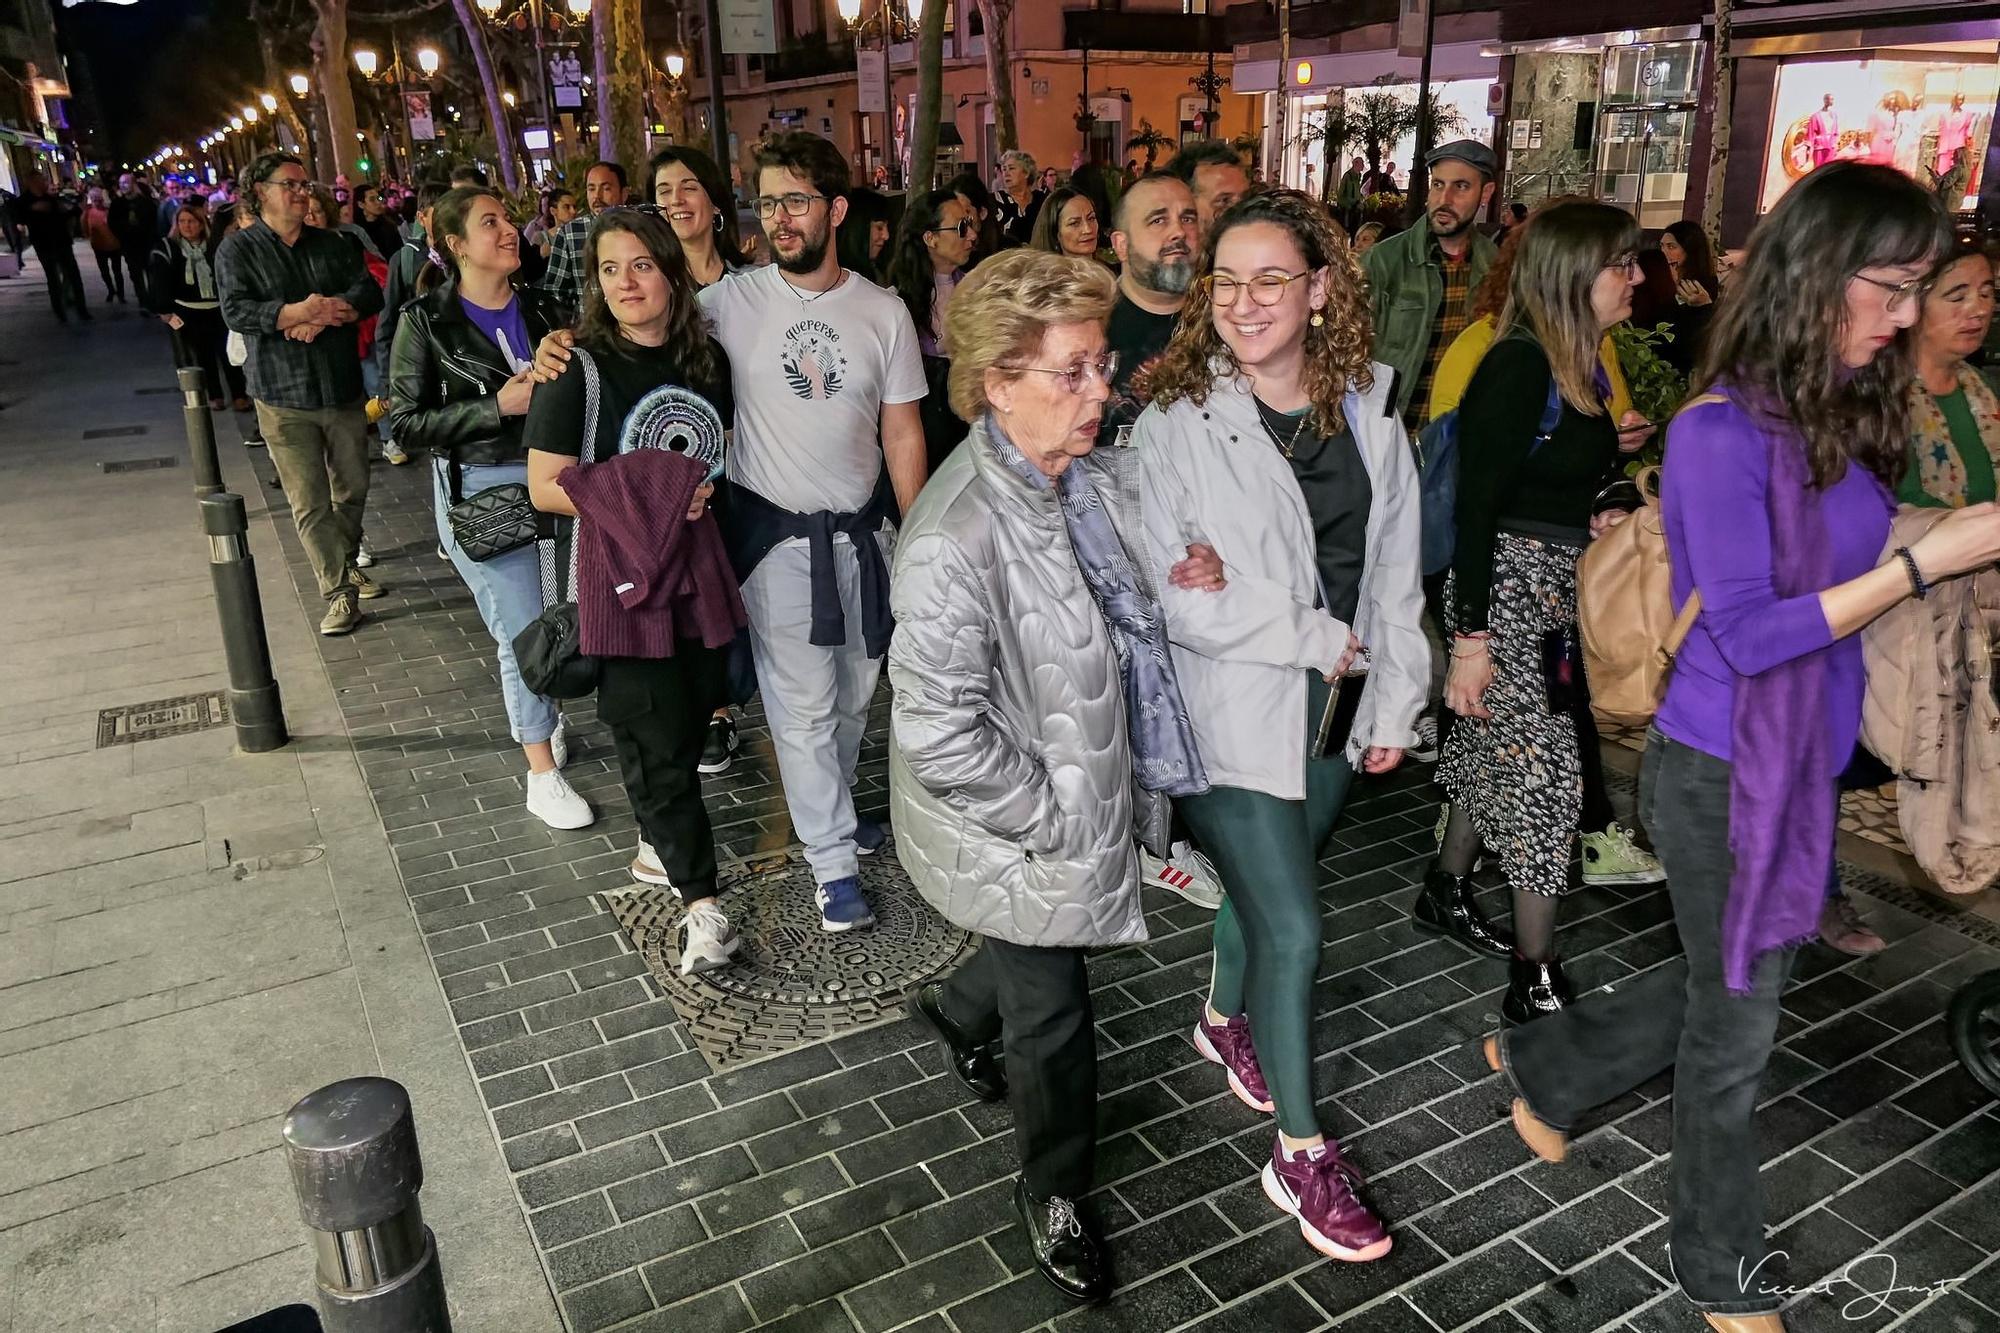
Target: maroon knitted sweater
648 579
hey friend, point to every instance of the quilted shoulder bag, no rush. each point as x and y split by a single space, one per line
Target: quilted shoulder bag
491 522
549 652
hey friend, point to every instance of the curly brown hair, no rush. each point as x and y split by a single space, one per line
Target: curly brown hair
1337 349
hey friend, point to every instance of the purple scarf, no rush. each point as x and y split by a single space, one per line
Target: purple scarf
1782 795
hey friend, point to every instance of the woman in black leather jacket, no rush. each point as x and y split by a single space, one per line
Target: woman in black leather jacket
458 376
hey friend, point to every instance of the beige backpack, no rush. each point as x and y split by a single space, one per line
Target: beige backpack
1625 610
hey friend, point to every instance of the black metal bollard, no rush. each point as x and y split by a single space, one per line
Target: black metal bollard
254 704
200 432
352 1147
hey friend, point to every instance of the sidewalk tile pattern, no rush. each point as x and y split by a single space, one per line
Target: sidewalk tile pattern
850 1185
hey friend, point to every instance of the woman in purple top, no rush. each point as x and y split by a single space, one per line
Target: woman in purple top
1777 506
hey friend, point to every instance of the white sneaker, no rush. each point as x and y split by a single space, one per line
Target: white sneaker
559 743
394 453
553 801
711 940
364 558
1425 751
646 867
1186 872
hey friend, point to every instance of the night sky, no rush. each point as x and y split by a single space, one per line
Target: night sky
158 71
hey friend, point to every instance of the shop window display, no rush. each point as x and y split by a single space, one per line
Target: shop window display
1928 119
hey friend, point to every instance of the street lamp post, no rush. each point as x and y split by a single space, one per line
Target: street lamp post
537 17
397 76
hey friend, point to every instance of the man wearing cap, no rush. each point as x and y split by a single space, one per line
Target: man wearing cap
1421 280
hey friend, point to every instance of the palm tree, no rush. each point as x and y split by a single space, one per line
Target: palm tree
1722 95
1334 129
993 17
1148 139
930 98
496 109
329 52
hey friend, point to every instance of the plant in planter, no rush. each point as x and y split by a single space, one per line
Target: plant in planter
1658 390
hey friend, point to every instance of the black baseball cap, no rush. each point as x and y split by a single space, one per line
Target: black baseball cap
1469 151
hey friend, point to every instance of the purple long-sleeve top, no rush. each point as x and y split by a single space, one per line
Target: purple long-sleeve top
1719 539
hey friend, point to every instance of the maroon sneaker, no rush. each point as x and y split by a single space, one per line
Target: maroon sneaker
1317 1187
1228 1045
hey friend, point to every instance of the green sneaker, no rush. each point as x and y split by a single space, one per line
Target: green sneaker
1611 857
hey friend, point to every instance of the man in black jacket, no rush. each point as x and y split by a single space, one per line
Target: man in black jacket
295 293
51 223
135 220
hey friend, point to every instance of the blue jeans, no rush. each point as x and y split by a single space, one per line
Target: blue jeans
1679 1016
508 592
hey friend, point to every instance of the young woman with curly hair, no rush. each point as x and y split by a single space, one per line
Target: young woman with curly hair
1272 437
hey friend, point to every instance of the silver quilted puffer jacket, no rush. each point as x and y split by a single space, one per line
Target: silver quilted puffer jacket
1010 776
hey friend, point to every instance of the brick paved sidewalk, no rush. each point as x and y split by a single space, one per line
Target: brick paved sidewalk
851 1185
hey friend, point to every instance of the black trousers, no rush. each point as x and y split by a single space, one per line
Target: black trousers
65 281
1680 1016
658 711
1037 1002
110 267
202 340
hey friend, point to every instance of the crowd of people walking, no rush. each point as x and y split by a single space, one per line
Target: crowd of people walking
1133 496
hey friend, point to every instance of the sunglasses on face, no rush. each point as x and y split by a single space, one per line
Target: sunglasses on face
963 228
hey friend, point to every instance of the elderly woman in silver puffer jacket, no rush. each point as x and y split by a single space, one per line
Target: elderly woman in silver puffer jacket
1036 720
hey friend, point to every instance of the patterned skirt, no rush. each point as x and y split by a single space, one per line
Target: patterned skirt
1518 775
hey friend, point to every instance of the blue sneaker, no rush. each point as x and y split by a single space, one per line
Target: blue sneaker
841 906
869 835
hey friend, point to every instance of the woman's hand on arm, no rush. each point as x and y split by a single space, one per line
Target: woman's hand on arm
552 357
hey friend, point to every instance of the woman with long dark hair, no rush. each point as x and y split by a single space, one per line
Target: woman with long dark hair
1068 225
1681 291
865 233
1777 505
1536 441
931 252
1272 436
985 213
689 187
663 651
459 381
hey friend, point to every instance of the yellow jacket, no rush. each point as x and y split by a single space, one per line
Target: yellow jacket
1460 359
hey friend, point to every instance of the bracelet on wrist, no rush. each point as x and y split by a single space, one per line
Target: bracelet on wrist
1918 586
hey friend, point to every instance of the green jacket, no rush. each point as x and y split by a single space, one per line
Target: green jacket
1406 289
1350 190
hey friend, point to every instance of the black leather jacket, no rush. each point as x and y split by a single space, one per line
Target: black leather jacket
445 377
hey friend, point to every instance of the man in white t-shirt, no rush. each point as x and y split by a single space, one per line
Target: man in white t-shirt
827 378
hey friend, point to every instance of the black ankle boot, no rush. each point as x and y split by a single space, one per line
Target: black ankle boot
971 1063
1065 1245
1535 990
1445 906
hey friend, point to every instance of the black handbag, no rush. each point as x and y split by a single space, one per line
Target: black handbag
492 522
549 652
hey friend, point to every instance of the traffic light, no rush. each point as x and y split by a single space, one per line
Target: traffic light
365 165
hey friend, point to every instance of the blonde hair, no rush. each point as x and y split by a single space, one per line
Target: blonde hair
1562 251
1005 306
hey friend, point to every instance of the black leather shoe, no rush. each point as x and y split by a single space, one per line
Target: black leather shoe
971 1063
1445 906
1535 990
1066 1246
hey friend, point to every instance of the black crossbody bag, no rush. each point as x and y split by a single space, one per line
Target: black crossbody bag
549 652
491 522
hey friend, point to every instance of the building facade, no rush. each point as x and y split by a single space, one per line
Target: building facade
33 83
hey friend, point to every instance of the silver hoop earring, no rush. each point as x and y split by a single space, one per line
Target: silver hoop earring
718 224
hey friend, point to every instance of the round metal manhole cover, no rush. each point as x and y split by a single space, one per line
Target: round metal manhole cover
792 982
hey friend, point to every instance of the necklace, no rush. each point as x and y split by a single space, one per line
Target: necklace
1286 444
808 300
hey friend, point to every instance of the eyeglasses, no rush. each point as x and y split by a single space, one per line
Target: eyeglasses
796 205
1073 379
288 186
1264 289
962 228
1899 292
1626 264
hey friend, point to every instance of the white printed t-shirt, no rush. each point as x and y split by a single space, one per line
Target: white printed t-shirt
811 378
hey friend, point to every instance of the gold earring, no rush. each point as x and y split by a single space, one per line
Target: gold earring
1318 319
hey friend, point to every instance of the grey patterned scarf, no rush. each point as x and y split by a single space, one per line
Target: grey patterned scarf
1164 755
199 273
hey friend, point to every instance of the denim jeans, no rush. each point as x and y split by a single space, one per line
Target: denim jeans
1679 1016
508 592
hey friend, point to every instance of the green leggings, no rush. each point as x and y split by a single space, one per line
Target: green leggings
1267 934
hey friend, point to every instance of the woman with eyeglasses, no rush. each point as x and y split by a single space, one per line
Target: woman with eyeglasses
1272 436
1777 509
1034 721
927 260
1067 225
660 613
1536 443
